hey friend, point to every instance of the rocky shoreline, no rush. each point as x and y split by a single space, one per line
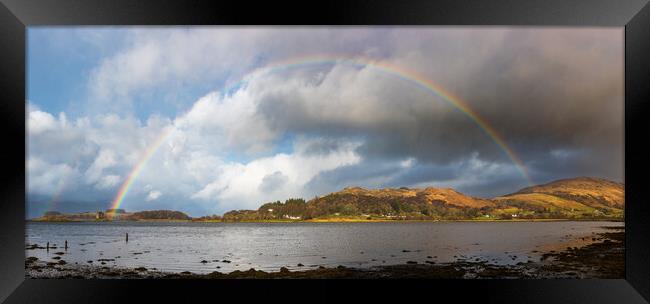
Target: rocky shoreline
603 259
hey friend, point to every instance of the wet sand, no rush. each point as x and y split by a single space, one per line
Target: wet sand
602 258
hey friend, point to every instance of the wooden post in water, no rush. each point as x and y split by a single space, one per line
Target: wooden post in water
66 245
127 237
48 246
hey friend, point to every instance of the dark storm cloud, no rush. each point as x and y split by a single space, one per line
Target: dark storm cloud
542 90
422 173
482 181
360 175
379 174
493 186
555 90
323 147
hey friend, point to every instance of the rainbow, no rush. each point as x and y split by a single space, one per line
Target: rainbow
135 171
406 75
400 72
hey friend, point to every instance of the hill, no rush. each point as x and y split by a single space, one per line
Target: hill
402 202
577 198
159 215
582 198
594 192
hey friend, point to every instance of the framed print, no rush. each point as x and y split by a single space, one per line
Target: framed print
195 146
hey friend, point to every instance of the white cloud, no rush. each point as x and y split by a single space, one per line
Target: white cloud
241 185
223 122
45 178
100 150
177 58
153 195
192 161
105 159
407 163
108 182
40 122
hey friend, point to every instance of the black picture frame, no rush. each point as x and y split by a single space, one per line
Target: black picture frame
16 15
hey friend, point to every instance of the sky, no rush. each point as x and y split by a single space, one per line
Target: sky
209 119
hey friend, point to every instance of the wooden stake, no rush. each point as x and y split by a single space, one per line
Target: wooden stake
127 237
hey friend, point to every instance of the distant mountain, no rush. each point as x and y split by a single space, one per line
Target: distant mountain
593 192
577 198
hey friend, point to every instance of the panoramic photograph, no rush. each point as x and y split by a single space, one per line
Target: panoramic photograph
322 152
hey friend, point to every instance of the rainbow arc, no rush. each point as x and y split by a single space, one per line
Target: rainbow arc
408 75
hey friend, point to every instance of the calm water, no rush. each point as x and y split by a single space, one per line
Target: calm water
268 246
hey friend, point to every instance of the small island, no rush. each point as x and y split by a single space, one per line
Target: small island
114 215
